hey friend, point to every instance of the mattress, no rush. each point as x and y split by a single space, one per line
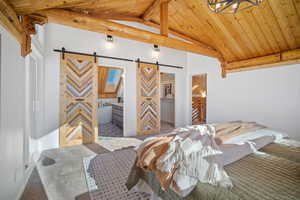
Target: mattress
259 176
285 148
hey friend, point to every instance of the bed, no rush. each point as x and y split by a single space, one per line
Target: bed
259 176
273 172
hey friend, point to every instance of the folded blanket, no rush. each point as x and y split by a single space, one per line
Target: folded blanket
228 130
149 152
183 158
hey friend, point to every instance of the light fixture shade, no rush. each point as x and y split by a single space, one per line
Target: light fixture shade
231 6
156 51
109 41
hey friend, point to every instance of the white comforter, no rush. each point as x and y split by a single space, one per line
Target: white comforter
193 153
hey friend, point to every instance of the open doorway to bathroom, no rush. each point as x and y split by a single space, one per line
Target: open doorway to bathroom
199 94
167 101
110 101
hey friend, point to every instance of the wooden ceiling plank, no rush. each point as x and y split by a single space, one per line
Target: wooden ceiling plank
178 34
151 10
265 29
132 8
164 18
222 29
268 16
191 27
249 32
238 34
288 22
202 21
265 47
26 7
293 18
107 27
241 35
297 7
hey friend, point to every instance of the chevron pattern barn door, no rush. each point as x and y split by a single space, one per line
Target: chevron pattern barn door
78 100
148 99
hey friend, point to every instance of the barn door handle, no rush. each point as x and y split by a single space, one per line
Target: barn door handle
79 99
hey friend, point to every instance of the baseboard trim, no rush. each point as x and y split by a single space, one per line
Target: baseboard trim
27 175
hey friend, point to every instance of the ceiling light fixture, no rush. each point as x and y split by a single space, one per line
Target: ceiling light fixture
231 6
156 51
109 41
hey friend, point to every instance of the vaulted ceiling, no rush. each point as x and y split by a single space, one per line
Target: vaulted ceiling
269 32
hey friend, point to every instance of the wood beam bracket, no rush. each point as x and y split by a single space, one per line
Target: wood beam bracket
25 45
28 23
20 27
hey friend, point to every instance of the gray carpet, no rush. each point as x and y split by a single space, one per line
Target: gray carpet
107 174
110 130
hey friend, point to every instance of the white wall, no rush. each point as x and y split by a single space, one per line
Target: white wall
58 36
12 117
269 96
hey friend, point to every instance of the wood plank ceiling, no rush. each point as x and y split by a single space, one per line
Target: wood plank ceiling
271 28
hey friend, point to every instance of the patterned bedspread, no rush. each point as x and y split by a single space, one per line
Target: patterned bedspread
259 176
285 148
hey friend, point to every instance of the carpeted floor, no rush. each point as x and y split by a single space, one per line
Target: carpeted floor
110 130
107 175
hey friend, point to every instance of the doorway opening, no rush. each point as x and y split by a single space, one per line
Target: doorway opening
199 95
167 101
110 101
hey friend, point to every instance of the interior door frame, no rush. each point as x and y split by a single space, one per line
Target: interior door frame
30 138
175 89
124 96
190 104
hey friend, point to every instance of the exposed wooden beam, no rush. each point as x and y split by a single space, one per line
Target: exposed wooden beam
164 18
117 17
95 24
151 24
149 13
10 20
274 60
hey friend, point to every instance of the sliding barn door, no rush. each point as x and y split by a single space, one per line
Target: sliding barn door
148 99
78 100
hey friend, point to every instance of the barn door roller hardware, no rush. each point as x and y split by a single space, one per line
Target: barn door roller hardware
95 55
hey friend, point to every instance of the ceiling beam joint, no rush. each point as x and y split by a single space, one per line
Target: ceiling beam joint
164 18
